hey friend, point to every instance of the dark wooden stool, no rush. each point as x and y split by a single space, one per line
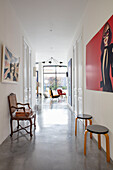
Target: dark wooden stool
98 129
85 117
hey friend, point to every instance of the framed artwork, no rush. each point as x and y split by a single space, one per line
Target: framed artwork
10 66
70 82
99 59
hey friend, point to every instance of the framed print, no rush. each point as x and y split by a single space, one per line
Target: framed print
10 66
70 82
99 59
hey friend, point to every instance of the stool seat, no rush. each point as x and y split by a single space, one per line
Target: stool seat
98 129
84 116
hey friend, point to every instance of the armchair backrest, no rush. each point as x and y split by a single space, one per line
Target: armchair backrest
50 93
12 102
59 91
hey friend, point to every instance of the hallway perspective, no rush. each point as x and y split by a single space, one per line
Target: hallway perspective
53 145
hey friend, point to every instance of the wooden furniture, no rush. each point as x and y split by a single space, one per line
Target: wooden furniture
51 94
60 92
39 94
45 95
98 129
85 117
20 114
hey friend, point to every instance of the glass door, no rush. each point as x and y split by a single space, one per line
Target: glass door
54 77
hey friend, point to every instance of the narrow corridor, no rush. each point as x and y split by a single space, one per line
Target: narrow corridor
53 145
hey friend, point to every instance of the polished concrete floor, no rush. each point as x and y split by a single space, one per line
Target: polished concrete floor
53 145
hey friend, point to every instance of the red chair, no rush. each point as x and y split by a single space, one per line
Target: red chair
60 92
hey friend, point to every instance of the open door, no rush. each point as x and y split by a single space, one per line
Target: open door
27 74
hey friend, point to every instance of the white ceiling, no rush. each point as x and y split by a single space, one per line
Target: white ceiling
49 24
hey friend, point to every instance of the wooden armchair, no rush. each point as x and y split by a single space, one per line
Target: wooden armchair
51 94
20 114
60 92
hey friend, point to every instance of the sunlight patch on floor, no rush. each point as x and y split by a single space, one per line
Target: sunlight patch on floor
52 117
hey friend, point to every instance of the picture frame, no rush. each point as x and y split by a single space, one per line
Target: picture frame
99 59
10 66
70 81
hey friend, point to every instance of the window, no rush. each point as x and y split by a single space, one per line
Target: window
54 77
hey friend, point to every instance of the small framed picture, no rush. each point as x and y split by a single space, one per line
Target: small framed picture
10 66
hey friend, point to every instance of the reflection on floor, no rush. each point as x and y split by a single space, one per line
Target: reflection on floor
53 145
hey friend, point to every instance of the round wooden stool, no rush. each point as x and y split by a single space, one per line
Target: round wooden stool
98 129
85 117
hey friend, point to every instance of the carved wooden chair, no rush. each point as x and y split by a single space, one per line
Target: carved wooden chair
20 114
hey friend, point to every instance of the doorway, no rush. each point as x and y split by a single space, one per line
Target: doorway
27 74
78 76
54 77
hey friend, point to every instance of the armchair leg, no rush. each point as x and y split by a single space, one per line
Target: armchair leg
35 121
85 138
30 127
18 124
75 126
11 121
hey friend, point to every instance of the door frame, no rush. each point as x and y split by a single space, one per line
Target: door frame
25 44
76 73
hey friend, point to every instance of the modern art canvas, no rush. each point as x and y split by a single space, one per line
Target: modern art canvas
10 66
99 59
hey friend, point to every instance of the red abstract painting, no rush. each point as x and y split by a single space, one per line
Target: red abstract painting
99 59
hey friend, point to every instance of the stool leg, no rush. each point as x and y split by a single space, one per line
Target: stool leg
107 148
85 138
75 126
90 124
99 141
85 124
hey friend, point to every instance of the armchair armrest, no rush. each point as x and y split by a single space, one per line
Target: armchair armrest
18 108
23 104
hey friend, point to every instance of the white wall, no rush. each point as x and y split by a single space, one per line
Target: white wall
33 79
11 35
98 104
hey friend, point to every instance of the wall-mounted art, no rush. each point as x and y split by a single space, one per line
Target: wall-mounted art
70 82
99 59
10 67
